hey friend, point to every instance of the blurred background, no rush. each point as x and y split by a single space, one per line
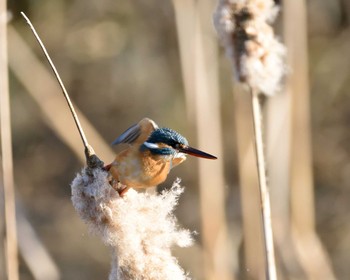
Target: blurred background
125 60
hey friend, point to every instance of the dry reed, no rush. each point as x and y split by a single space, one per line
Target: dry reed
198 51
6 150
312 256
249 185
257 59
40 87
32 250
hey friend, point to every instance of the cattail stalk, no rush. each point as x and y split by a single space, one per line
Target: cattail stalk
257 61
249 181
42 87
6 150
264 192
88 149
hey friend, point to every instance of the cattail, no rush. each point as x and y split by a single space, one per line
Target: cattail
139 227
257 59
256 54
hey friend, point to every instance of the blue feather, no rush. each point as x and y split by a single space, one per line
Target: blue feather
166 136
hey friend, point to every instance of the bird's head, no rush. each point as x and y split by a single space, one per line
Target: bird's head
168 142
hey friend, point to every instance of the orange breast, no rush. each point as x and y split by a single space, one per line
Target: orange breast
139 169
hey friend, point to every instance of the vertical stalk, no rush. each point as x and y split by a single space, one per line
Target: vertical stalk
253 247
6 150
263 189
313 257
198 50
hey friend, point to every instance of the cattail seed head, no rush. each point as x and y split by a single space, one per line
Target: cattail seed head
256 54
140 228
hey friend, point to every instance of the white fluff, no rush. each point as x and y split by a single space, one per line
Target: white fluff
257 58
140 227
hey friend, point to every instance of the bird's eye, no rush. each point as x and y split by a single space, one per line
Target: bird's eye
177 146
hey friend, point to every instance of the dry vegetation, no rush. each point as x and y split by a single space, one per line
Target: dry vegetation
122 61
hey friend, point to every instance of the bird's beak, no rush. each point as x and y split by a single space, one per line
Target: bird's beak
194 152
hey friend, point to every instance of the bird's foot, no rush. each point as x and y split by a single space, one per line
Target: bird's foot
123 191
107 167
117 186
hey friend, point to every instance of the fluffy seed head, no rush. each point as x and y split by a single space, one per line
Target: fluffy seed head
256 54
140 228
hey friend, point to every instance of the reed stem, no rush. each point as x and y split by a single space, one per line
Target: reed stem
88 149
263 189
6 151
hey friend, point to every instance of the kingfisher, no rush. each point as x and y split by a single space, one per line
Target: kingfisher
151 154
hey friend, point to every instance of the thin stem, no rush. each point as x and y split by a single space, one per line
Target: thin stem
263 189
7 159
88 148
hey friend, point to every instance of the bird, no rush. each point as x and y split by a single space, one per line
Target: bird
151 153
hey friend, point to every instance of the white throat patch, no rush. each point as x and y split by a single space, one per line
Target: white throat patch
180 155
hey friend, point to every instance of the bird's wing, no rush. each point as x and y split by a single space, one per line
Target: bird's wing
138 133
